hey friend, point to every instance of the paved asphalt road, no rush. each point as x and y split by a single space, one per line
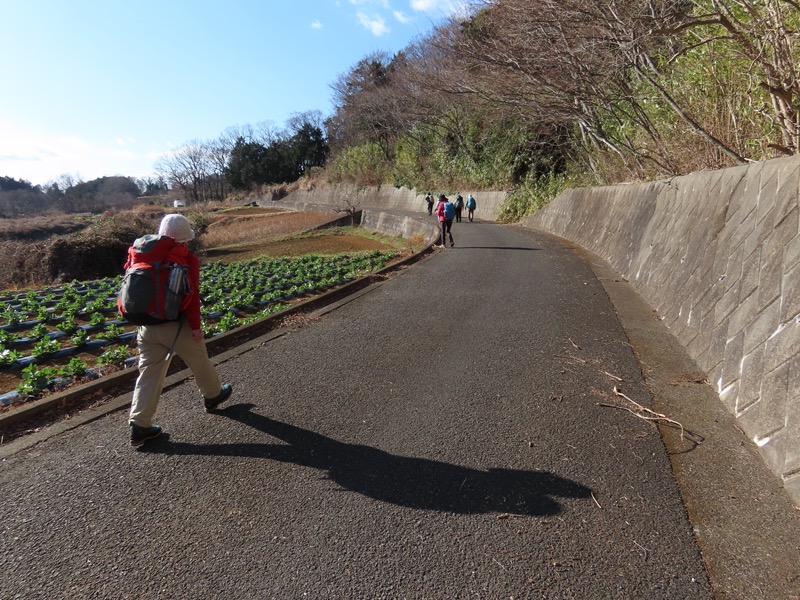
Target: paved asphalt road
440 437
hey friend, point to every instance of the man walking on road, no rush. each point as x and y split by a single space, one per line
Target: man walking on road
184 337
459 207
470 207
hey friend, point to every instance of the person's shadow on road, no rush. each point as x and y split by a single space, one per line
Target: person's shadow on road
405 481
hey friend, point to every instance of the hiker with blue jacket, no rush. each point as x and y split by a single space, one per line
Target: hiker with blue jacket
446 211
184 337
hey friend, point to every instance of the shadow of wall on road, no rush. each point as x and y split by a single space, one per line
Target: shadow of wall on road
416 483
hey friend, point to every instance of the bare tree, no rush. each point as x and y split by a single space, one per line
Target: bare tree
219 153
190 169
67 180
349 206
366 99
589 63
265 133
314 118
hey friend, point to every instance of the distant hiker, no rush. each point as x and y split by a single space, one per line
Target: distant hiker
157 343
471 204
429 201
446 211
459 207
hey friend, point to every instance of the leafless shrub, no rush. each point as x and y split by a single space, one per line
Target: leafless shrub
98 250
348 206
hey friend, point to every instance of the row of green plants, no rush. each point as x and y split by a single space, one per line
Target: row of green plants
55 323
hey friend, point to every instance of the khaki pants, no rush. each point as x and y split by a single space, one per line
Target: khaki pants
154 342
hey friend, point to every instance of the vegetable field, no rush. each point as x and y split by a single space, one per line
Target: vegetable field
54 337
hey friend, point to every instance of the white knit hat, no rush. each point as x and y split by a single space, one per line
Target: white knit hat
177 227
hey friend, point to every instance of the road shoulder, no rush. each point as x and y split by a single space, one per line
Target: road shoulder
747 528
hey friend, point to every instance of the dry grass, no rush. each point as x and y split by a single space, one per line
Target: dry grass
39 227
151 209
238 228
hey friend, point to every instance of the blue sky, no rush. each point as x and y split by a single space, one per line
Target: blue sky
95 88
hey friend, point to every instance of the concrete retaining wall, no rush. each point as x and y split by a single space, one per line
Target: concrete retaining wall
386 197
374 219
717 254
401 226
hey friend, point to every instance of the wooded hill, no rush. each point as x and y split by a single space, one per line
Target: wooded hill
532 95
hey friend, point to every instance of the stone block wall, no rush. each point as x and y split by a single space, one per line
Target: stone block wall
717 255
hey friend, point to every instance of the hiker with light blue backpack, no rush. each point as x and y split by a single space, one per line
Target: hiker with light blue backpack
471 204
446 212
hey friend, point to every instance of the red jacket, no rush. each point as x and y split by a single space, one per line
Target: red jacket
440 209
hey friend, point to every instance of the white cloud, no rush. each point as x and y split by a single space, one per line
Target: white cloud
39 158
445 7
379 3
372 14
376 24
316 25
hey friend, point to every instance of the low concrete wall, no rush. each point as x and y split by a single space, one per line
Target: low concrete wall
717 254
405 226
401 226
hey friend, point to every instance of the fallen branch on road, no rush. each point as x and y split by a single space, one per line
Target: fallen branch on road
612 376
643 412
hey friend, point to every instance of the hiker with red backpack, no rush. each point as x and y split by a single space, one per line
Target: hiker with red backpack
161 294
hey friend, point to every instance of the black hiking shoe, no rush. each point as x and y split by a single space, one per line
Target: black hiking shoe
139 434
224 394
